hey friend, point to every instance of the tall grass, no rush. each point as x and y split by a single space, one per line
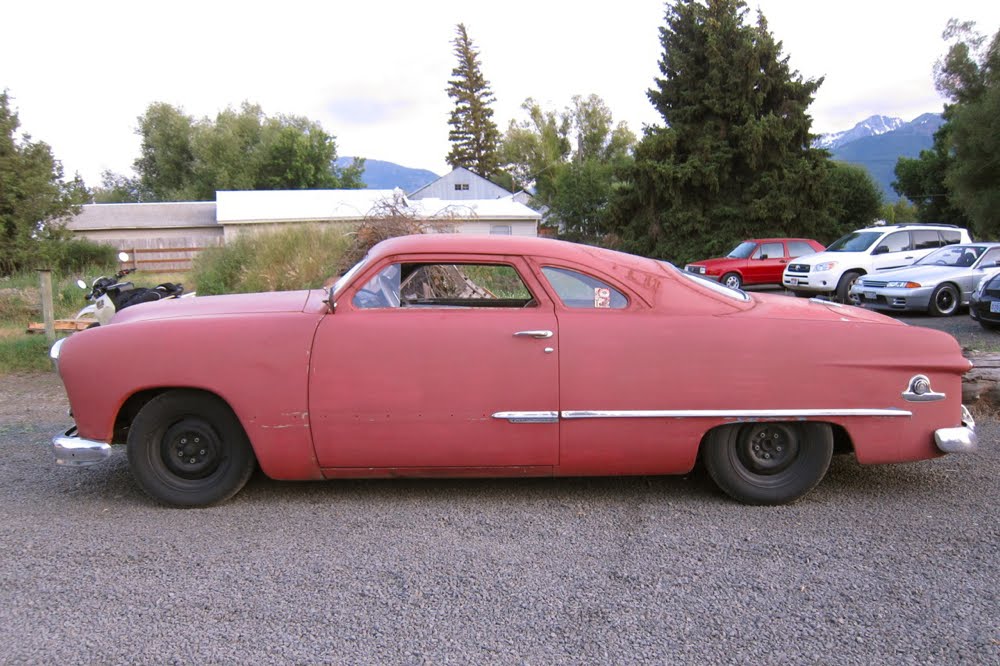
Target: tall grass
302 257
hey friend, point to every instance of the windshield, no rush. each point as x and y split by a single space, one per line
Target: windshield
953 255
346 277
742 251
712 285
856 241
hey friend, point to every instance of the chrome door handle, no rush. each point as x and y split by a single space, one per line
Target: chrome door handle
540 335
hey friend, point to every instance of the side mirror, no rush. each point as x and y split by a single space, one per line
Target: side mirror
762 257
881 249
81 284
123 256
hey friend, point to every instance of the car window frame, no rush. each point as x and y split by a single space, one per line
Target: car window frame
635 300
523 269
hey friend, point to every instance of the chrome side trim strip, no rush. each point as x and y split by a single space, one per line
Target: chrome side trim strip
745 414
528 417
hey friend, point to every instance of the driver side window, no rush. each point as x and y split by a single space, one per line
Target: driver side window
444 286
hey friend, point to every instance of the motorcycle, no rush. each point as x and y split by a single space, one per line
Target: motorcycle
111 294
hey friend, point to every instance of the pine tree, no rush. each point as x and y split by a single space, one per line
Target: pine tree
474 136
733 160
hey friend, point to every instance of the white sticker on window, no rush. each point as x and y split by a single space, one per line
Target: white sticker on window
602 297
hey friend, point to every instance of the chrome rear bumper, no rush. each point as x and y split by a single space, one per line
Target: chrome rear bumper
78 452
958 440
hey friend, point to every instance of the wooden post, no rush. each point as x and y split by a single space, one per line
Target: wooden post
45 283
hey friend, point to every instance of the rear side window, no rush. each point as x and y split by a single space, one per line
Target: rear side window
770 251
798 248
577 290
926 239
951 237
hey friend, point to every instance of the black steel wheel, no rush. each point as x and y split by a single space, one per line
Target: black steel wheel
187 448
768 463
944 300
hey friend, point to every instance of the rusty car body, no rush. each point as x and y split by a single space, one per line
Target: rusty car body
465 356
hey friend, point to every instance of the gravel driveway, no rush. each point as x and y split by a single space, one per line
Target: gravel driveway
893 564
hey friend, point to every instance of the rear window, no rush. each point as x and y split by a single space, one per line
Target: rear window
798 248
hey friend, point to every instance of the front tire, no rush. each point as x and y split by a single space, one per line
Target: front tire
944 301
187 448
768 463
847 281
732 280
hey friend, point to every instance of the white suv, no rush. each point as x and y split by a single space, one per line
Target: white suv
871 250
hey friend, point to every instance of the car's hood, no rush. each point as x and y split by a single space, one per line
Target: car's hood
820 257
201 306
718 262
928 273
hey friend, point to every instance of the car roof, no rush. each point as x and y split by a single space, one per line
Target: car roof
514 245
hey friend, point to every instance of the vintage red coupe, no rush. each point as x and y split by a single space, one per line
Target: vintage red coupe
464 356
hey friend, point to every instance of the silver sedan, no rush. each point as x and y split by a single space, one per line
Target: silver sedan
938 283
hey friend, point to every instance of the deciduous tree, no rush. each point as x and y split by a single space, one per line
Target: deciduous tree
34 195
184 159
474 135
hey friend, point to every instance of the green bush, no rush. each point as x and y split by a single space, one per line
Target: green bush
302 257
28 353
78 254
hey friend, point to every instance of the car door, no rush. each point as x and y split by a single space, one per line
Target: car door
766 264
432 362
893 251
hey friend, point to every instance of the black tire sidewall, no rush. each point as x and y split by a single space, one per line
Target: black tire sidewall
844 286
729 275
807 470
152 474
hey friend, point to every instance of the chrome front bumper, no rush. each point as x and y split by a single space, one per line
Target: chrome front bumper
78 452
958 440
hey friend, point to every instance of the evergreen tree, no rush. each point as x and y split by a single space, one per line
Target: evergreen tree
733 160
971 78
474 137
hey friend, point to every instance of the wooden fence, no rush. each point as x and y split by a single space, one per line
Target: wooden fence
162 259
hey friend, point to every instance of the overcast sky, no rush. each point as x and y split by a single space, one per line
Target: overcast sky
374 72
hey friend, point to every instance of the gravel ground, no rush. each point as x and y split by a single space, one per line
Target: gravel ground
890 564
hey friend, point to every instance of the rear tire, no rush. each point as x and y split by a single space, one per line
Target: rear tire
847 281
768 463
944 301
187 448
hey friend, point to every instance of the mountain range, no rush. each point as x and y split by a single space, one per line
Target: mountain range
877 142
380 175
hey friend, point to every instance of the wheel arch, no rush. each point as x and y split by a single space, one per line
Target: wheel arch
134 403
842 442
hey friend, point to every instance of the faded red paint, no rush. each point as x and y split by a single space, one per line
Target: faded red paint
411 392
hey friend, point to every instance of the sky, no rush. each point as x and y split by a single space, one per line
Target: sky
374 73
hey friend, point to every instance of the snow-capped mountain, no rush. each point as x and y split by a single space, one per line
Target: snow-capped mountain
871 126
878 142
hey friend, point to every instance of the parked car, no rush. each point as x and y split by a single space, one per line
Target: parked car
754 262
866 252
984 305
939 283
472 356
